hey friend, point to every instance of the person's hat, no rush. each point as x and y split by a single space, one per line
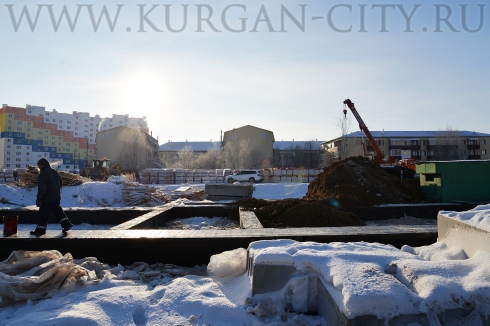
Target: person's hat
43 162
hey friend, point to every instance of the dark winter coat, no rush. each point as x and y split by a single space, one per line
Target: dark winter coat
48 185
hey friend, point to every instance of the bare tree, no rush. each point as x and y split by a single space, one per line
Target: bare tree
255 158
133 150
348 146
236 154
328 158
445 146
186 157
212 159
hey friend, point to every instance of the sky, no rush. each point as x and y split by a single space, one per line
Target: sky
418 66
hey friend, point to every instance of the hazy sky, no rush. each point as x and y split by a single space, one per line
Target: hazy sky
424 66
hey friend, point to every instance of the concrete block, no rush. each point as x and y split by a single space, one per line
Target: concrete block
458 234
272 278
248 220
228 191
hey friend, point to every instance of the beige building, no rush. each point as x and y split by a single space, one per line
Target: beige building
168 152
130 148
419 145
258 140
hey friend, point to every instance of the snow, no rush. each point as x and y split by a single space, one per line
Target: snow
381 280
478 217
201 223
90 194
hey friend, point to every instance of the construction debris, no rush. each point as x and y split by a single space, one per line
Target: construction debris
29 178
190 193
135 194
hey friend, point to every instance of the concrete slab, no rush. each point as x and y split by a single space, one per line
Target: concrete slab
194 247
228 191
272 278
425 211
458 234
248 220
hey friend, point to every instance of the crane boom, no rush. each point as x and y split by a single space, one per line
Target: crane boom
362 125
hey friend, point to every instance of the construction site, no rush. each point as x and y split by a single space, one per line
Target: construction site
169 225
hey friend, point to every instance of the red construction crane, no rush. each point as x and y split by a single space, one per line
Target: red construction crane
380 158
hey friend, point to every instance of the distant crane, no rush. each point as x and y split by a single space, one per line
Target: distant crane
405 167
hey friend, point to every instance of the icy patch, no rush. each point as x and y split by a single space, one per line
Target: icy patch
201 223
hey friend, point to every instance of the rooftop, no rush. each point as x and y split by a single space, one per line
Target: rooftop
417 134
195 145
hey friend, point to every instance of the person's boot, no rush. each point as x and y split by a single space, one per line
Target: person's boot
39 231
66 224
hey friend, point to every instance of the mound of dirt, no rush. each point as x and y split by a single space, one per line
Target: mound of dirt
296 213
359 182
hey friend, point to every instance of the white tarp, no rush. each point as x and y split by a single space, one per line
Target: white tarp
32 275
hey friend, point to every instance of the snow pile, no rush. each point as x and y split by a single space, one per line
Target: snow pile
228 264
380 280
449 284
118 179
100 194
355 272
478 217
437 251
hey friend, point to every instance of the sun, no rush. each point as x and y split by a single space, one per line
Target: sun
142 91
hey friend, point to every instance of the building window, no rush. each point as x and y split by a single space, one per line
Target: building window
264 135
483 142
472 142
233 135
483 152
463 142
430 177
106 136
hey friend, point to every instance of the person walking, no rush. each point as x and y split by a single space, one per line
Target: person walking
48 199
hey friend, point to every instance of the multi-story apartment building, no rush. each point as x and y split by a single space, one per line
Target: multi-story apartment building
27 134
119 120
419 145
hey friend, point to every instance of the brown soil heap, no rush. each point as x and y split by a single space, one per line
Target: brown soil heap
359 182
296 213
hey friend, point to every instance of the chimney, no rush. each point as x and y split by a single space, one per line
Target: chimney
4 105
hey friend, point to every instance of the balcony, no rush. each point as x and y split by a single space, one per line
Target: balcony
473 146
474 157
405 147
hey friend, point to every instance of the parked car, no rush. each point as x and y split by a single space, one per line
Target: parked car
251 176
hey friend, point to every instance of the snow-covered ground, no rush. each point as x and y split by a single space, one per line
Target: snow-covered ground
90 194
392 281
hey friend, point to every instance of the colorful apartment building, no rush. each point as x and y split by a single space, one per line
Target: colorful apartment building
67 140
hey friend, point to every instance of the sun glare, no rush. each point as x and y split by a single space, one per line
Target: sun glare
142 92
